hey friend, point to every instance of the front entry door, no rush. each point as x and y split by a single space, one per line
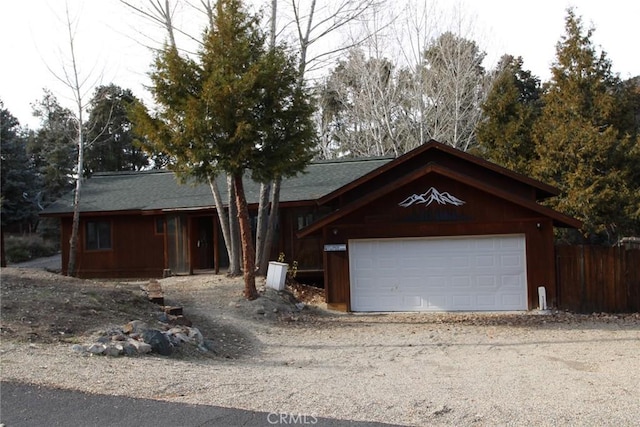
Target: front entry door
204 243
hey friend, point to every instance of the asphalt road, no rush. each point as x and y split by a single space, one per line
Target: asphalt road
32 406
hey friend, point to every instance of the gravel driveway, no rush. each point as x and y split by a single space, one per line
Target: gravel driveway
409 369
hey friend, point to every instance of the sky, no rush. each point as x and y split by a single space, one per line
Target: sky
112 44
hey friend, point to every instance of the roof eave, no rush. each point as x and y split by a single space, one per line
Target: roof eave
558 218
543 190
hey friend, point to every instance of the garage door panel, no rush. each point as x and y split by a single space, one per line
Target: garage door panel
387 264
511 282
411 275
487 282
439 274
510 244
459 262
462 301
511 261
371 302
436 301
436 282
510 299
461 282
484 245
485 302
389 283
412 301
433 262
485 261
364 264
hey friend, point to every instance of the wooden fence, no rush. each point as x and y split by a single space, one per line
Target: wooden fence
598 279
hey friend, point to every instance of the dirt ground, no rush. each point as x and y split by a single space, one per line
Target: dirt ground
44 307
271 355
38 306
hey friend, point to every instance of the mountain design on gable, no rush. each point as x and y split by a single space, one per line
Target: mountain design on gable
430 196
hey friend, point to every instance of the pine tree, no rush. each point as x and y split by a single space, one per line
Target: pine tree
237 108
52 147
580 148
511 109
19 184
113 146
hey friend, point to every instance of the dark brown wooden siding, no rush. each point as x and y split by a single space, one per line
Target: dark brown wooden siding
447 160
598 279
136 249
478 206
306 251
481 214
336 275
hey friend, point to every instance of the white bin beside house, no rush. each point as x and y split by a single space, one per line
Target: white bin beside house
277 275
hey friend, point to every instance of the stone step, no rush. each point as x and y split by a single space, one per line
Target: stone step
153 291
172 310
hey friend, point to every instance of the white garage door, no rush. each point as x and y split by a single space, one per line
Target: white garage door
479 273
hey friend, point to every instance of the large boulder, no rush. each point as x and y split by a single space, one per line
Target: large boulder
158 341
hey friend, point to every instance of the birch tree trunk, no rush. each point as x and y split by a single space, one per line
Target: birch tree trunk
75 224
263 203
73 82
261 229
271 229
222 217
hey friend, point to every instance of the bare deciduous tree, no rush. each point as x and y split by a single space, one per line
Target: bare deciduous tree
406 86
456 87
448 75
314 21
362 99
80 87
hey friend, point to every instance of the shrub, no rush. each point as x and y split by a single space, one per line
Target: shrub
25 248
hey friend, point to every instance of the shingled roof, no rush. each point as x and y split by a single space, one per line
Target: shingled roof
160 190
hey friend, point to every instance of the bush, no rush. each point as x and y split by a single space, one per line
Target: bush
25 248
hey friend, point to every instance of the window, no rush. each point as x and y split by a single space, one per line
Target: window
305 220
98 235
160 225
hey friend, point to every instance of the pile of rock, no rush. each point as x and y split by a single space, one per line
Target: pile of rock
136 338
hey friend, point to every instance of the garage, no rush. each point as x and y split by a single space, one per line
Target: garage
435 230
465 273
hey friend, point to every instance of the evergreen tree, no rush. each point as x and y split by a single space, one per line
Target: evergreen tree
19 186
628 107
511 109
629 124
52 148
581 150
112 146
237 107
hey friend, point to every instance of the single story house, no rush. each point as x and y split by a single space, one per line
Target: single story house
435 229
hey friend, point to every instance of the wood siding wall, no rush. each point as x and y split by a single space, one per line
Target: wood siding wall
137 250
598 279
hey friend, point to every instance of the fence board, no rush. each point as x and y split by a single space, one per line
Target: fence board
598 279
632 274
